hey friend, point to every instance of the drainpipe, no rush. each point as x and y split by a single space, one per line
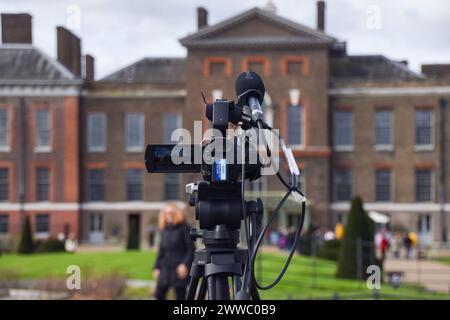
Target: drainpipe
442 153
22 157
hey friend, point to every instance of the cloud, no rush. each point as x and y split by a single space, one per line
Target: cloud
120 32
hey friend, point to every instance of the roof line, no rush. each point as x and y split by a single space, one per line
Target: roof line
273 17
57 65
139 61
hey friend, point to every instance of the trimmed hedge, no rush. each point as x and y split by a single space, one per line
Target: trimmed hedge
50 245
330 250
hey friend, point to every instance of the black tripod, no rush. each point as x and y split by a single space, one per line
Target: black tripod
221 260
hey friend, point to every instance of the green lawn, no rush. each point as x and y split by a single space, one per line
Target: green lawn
302 281
444 260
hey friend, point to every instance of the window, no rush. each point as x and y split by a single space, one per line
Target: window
42 223
172 186
342 185
294 67
134 184
172 121
424 128
383 129
4 223
424 185
4 184
134 127
343 130
42 184
96 184
258 67
383 185
295 125
96 132
217 68
42 133
4 130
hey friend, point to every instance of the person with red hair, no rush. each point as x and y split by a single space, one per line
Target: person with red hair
175 255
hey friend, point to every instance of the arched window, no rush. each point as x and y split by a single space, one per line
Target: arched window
295 125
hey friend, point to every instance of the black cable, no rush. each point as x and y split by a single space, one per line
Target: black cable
292 251
244 212
291 188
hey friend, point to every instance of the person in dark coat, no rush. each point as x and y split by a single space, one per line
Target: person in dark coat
175 255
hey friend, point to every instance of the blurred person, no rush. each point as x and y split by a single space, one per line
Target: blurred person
175 255
384 243
413 237
396 244
339 231
329 235
151 229
274 237
407 244
71 243
290 237
282 240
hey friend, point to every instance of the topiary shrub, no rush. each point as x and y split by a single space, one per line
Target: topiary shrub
330 250
26 245
133 237
359 231
51 245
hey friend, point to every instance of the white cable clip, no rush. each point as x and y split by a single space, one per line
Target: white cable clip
298 197
293 168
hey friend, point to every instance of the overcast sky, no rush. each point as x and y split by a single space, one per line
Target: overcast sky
119 32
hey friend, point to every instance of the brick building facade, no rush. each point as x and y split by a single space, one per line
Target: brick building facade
358 125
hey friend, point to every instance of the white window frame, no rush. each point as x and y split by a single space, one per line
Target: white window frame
392 186
334 186
139 148
303 129
7 147
344 148
425 147
102 148
385 147
179 124
433 186
43 148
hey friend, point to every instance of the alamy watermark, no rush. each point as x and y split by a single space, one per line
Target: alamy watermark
73 280
374 279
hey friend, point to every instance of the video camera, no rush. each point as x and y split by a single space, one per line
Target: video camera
220 207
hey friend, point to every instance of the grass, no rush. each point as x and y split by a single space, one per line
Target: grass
305 278
444 260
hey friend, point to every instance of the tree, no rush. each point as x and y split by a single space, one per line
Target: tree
357 249
133 236
26 244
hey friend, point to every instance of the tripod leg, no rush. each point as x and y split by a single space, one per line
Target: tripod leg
192 288
202 291
222 288
236 285
211 282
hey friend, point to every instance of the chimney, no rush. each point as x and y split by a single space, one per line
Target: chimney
202 17
89 67
69 50
321 15
16 28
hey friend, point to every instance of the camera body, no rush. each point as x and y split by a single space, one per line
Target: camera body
219 161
